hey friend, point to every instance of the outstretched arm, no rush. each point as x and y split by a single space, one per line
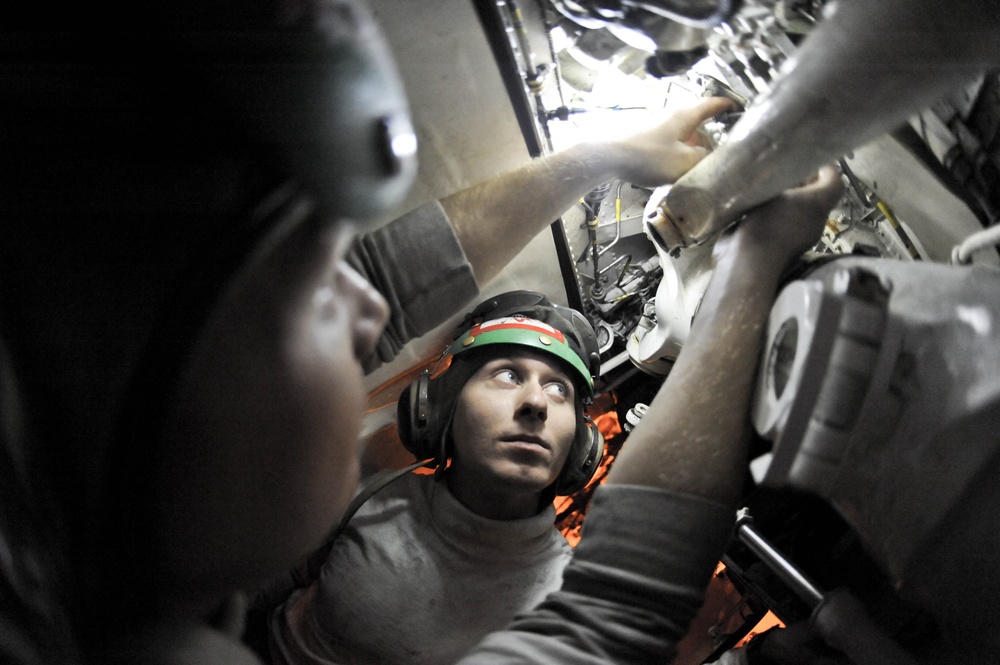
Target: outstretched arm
694 437
495 219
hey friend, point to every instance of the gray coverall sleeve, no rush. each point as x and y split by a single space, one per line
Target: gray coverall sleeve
418 265
635 582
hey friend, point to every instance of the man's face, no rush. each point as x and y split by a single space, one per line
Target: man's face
514 424
261 451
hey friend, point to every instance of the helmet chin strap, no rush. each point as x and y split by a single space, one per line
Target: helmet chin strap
444 457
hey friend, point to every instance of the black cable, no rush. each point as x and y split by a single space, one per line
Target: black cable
318 558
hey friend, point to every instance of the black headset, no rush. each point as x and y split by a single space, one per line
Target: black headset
426 407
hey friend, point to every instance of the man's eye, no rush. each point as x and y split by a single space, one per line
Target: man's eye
507 376
557 388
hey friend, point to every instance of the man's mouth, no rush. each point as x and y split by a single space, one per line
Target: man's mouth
530 439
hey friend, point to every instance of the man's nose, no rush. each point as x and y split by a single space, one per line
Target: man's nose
533 401
370 311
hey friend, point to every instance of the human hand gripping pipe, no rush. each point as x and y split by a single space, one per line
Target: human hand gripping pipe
864 69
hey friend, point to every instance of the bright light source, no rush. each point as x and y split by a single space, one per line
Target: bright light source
404 144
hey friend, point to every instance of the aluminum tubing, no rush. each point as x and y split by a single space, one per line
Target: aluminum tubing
862 72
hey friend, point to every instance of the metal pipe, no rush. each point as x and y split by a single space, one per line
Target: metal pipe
881 206
779 565
618 220
855 184
627 257
864 69
837 616
596 290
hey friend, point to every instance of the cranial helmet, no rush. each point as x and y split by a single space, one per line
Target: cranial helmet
517 318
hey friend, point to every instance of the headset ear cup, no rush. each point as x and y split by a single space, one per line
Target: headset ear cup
584 459
413 416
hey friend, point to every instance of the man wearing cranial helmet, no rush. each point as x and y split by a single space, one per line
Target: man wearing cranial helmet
437 562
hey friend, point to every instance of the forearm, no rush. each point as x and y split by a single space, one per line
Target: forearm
694 437
495 219
635 580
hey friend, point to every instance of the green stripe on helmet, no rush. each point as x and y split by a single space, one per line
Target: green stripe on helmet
524 337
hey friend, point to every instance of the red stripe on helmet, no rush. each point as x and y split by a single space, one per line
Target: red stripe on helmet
520 323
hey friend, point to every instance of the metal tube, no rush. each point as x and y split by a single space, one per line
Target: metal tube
855 184
611 265
618 221
861 72
792 576
837 616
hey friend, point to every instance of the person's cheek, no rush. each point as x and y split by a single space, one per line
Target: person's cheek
260 460
332 398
